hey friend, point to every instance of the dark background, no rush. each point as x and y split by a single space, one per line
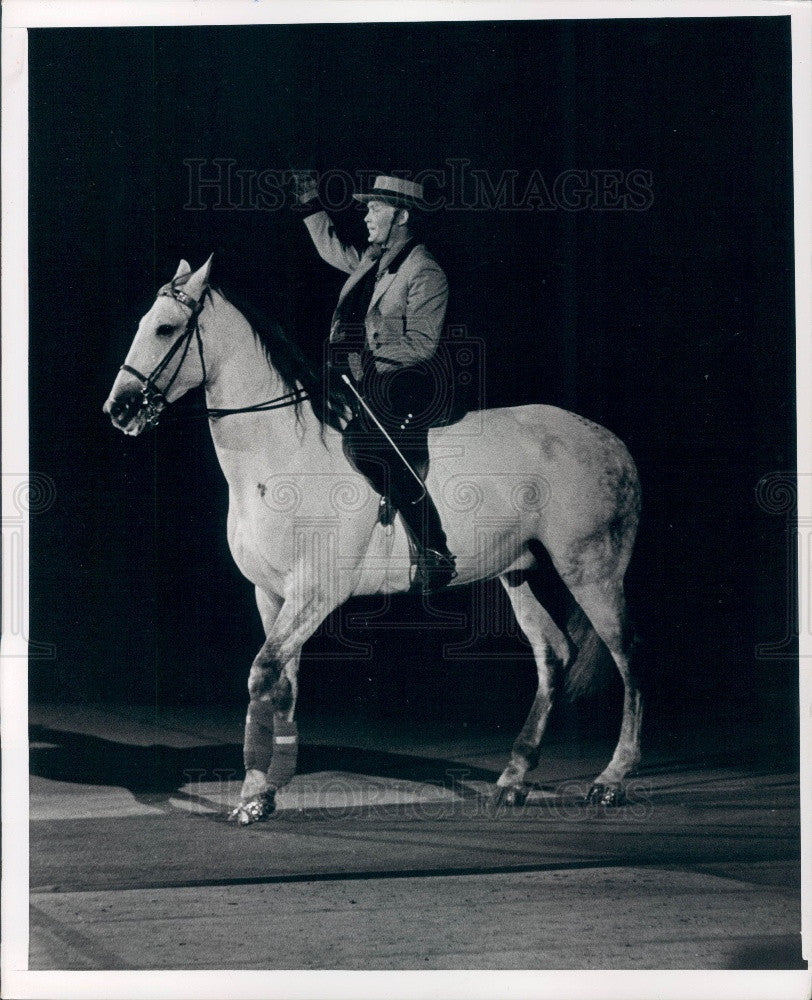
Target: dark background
672 326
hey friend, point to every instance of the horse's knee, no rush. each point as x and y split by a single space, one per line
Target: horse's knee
256 685
262 678
281 694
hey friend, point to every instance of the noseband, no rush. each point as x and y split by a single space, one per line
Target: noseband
154 399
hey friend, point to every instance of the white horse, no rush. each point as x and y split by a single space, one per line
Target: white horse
303 523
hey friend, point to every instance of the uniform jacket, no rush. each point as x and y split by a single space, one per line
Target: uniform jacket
406 313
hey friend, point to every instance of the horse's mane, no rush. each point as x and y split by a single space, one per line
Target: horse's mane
294 369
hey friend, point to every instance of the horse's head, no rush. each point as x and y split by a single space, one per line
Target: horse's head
165 359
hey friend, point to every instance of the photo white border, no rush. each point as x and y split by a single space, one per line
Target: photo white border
121 13
14 465
17 982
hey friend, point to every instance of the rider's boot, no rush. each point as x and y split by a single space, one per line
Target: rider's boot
436 566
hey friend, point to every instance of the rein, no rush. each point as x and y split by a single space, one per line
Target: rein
155 400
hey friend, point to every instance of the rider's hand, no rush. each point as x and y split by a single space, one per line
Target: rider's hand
354 365
305 187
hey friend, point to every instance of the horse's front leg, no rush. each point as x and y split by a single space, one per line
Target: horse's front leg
259 723
271 736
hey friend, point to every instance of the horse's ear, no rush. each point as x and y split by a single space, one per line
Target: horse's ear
183 268
199 281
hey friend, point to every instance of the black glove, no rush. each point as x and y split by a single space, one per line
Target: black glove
305 188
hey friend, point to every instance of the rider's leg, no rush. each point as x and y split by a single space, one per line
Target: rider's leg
436 565
419 512
374 457
366 448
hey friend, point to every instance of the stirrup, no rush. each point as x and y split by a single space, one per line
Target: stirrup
434 571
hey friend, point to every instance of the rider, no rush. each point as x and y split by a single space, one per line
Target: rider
384 334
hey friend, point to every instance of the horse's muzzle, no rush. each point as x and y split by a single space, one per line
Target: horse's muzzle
126 411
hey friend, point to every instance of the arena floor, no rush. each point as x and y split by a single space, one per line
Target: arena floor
384 854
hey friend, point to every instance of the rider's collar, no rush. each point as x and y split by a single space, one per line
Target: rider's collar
399 256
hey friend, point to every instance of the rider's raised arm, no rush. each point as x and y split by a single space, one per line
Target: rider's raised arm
322 231
319 224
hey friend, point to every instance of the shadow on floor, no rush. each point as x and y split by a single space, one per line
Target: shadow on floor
160 769
771 953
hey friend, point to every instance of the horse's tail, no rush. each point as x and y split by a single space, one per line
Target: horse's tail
590 671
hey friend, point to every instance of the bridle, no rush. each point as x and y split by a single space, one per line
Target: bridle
154 399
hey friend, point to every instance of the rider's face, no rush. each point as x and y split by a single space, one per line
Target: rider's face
379 219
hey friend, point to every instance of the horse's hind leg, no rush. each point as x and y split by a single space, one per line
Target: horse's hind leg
550 648
604 603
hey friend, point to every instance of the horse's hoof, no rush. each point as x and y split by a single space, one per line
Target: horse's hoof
606 795
257 809
510 795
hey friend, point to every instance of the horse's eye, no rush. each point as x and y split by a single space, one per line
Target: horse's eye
165 330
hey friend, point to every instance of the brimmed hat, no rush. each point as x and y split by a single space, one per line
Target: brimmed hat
395 191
